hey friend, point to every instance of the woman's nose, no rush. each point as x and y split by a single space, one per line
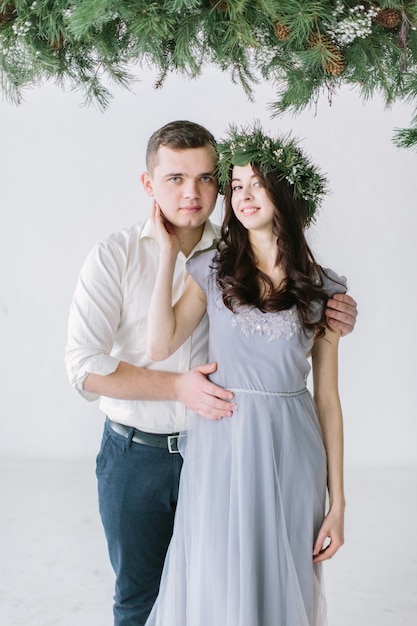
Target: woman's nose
247 192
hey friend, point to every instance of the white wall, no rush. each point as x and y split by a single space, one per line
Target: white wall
70 176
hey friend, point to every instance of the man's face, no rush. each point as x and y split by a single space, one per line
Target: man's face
183 185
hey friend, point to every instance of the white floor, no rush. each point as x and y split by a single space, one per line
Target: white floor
54 569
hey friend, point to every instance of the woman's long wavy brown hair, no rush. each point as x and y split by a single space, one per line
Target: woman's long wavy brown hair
242 283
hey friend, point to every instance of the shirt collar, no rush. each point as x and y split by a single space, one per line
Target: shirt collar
207 241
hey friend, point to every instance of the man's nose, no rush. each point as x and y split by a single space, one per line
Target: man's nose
191 189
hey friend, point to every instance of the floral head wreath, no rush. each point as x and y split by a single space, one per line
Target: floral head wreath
282 155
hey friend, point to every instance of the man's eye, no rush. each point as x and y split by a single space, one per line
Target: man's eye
206 179
175 179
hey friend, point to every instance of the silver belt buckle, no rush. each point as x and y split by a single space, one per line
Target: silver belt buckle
173 444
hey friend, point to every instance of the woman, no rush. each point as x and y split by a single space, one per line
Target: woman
251 528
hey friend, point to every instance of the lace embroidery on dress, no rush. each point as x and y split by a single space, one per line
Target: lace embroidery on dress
274 325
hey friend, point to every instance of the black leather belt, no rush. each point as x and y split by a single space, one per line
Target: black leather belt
169 442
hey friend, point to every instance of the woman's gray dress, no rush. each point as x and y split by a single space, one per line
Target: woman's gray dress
253 486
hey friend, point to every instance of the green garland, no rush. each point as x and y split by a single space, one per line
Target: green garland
301 46
245 145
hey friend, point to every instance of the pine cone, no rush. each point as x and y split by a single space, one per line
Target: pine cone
282 31
388 18
317 39
58 44
219 5
8 13
336 64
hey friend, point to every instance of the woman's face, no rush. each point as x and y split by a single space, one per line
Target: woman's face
250 201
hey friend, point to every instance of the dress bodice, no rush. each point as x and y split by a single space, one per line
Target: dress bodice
256 350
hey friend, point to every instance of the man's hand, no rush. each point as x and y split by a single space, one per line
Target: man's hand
341 313
202 396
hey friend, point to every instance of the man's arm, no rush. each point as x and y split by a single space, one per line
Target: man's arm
129 382
94 318
341 313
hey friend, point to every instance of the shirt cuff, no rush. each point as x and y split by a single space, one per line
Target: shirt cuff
101 365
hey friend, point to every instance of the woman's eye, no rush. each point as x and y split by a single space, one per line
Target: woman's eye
236 188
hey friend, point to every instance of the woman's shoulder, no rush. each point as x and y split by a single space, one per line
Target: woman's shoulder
331 281
201 267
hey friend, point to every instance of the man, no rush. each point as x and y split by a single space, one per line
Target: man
137 467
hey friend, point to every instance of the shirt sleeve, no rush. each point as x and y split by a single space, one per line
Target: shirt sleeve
94 317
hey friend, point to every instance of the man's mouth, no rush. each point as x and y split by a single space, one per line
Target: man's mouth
194 208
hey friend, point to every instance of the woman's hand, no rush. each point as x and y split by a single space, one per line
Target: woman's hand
164 232
330 537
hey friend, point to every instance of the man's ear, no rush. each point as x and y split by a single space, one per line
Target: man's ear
147 183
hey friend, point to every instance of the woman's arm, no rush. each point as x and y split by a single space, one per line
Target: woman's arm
326 396
169 326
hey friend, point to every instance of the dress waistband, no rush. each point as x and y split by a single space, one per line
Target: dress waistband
278 394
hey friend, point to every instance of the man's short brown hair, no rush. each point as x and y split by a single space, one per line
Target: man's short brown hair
178 135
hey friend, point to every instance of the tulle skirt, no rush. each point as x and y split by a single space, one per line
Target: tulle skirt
252 498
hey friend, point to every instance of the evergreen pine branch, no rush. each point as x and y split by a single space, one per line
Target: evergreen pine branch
409 92
242 75
303 18
374 65
96 93
178 6
187 46
89 17
300 90
405 138
11 90
411 11
303 46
